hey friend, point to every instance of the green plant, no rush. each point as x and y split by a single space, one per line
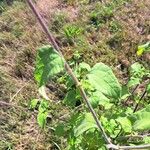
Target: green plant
106 95
114 27
71 32
43 108
143 49
109 121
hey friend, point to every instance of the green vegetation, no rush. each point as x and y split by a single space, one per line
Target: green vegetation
105 93
107 46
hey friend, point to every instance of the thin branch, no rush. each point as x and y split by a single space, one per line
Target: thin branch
2 103
18 91
142 96
69 70
116 147
133 136
147 146
132 92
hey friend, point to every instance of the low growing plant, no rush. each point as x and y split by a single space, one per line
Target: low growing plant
107 97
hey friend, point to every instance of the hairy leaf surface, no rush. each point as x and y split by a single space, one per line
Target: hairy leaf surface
48 64
103 80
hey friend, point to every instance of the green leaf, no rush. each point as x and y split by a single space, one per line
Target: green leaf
60 130
103 80
48 64
43 106
141 119
41 119
143 48
125 124
84 66
148 89
33 103
137 71
42 92
146 139
98 98
133 81
70 98
87 122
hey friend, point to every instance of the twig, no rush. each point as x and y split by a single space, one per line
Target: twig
132 92
142 96
18 91
147 146
115 147
69 70
133 136
2 103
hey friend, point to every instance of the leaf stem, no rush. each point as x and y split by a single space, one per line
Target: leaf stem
142 96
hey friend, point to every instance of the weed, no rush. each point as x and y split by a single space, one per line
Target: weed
114 27
103 90
71 32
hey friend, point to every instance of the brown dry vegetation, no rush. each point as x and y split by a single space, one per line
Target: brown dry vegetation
113 42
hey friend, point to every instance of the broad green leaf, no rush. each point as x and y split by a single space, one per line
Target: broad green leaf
41 119
98 98
103 80
48 64
33 103
125 124
87 122
141 119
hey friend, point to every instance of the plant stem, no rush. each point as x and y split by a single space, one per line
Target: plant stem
69 70
136 106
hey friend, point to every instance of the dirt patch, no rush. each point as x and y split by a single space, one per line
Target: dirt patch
48 8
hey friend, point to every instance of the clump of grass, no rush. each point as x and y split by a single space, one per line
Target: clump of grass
115 26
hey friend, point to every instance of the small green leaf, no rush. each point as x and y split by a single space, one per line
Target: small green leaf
33 103
70 98
84 66
41 119
48 64
59 130
43 106
137 71
143 48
